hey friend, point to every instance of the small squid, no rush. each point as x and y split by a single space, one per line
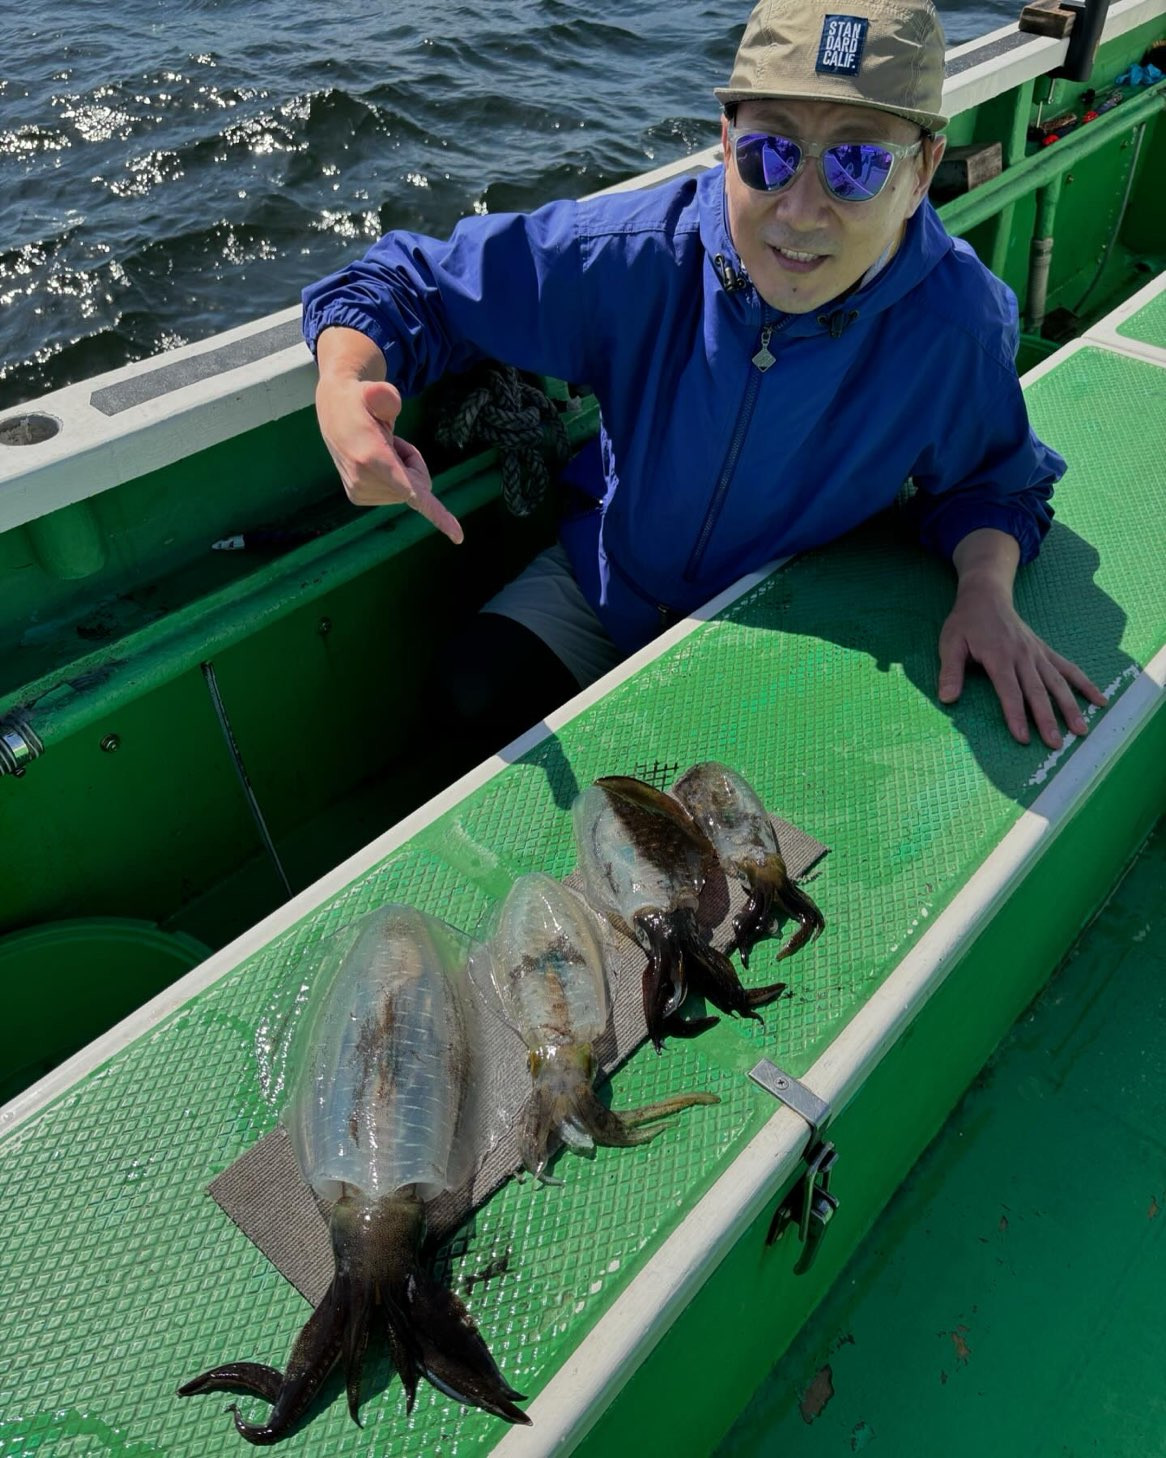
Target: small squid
727 809
546 969
644 860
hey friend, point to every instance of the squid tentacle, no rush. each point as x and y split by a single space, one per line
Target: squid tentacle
316 1351
356 1333
563 1101
430 1331
712 974
665 983
772 894
254 1378
434 1326
619 1128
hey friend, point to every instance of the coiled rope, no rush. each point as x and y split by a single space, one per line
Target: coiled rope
493 405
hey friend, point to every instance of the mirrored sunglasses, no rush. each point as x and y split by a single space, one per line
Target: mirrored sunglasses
850 171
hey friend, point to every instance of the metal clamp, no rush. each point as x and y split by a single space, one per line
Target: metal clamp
810 1201
19 745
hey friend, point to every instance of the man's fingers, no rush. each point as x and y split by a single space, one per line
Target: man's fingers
420 486
432 510
1011 696
1062 693
378 479
1030 679
1079 680
953 657
1036 695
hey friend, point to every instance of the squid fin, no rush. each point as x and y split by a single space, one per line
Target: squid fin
646 797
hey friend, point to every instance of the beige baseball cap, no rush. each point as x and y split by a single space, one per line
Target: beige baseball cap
887 54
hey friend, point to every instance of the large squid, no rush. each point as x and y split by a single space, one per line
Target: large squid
378 1119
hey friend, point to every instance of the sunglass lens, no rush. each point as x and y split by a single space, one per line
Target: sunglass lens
767 164
856 171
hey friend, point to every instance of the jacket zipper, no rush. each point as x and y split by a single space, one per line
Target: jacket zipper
666 615
759 363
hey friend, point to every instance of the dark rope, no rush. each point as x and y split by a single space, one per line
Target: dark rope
493 405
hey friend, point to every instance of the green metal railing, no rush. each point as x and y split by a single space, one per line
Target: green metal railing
1027 176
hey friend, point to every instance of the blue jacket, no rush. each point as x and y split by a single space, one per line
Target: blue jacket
712 467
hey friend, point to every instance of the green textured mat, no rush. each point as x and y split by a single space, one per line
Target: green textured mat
122 1278
1148 324
1008 1300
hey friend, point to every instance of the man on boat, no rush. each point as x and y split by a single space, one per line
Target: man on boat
776 346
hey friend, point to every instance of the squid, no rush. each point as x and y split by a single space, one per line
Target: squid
378 1116
644 860
728 810
545 967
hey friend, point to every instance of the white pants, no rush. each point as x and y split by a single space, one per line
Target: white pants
545 598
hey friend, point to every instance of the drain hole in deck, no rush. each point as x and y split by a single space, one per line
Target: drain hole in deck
18 430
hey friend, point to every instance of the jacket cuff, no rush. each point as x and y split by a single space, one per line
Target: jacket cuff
348 317
952 522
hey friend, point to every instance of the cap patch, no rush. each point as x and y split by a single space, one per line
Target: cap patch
840 49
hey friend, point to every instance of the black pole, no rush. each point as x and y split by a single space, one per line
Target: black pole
1084 38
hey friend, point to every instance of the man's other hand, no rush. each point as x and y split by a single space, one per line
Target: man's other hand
1029 677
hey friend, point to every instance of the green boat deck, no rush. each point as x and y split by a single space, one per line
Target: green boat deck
1009 1296
122 1278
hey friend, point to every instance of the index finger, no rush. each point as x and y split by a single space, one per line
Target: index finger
412 475
431 508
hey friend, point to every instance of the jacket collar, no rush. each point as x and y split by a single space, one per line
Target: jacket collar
925 242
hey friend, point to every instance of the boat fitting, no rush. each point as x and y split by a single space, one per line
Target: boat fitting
30 428
20 744
1084 38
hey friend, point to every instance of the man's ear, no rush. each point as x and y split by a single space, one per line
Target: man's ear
725 136
925 170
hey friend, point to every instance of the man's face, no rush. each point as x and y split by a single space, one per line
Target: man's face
801 246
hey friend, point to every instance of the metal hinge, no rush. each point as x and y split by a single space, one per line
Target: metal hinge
19 745
809 1203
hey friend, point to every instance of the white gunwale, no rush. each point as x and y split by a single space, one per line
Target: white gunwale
1105 331
1110 343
